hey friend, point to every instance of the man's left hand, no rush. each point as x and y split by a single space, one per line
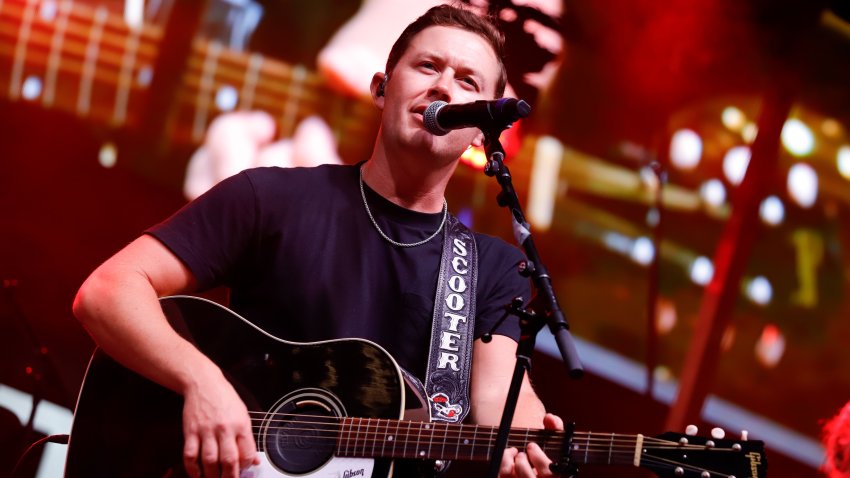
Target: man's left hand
531 462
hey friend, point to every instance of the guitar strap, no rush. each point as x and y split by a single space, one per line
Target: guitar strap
450 357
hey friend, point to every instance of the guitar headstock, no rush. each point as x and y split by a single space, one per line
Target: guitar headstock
676 455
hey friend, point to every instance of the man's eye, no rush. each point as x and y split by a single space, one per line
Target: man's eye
470 82
428 65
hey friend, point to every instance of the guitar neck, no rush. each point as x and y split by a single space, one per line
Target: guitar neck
87 61
366 437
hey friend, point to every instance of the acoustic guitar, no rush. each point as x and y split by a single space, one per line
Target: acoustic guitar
338 408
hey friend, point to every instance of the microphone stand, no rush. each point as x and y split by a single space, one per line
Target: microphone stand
542 310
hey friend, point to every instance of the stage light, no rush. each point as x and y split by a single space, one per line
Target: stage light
643 251
797 138
749 132
666 316
108 155
772 211
702 270
733 118
713 192
759 290
617 242
685 149
735 164
770 346
474 157
830 128
803 184
843 160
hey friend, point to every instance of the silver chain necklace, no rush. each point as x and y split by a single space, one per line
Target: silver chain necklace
396 243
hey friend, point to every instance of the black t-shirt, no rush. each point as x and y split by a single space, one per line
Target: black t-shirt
304 262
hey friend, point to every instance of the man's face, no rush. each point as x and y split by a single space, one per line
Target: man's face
441 63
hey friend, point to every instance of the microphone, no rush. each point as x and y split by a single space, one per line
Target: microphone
441 117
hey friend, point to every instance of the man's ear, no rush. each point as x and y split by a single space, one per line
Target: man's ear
377 87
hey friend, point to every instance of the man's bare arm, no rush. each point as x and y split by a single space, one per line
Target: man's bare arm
118 304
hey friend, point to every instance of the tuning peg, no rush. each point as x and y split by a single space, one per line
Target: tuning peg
745 435
691 430
718 433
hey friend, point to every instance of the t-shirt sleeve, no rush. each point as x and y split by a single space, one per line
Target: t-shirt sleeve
212 233
499 282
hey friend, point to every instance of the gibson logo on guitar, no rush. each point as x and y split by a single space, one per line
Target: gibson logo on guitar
755 463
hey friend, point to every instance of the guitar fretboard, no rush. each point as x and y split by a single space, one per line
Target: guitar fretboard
89 62
369 437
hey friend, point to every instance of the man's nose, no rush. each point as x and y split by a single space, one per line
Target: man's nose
441 88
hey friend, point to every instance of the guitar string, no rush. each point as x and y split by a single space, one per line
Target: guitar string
415 428
606 453
604 442
415 425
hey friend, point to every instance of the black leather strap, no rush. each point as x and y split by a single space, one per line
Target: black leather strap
450 358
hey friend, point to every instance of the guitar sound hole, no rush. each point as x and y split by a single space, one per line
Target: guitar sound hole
300 434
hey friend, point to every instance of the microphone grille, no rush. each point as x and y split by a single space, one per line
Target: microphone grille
429 117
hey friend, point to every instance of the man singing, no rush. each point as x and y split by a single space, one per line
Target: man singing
329 252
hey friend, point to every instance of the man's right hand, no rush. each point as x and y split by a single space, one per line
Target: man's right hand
217 430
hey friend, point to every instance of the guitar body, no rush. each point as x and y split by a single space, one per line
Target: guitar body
126 425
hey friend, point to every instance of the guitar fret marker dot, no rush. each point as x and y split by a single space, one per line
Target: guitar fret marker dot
226 98
31 89
422 453
145 75
47 12
390 438
427 427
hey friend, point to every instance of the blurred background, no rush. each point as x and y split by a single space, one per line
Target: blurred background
685 170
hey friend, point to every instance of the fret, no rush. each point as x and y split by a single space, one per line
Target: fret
460 433
290 110
397 428
418 437
125 78
347 433
610 448
429 429
472 448
406 453
445 438
366 439
202 104
385 437
249 85
587 445
92 49
21 50
55 57
357 436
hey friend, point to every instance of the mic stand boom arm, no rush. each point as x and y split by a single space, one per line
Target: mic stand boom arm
546 310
